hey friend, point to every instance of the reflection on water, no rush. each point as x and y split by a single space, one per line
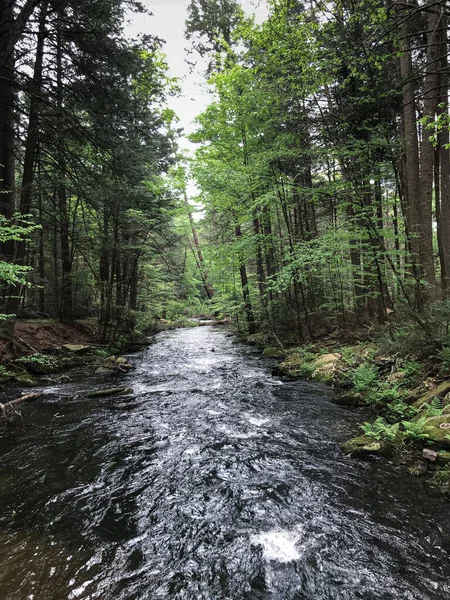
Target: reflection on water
214 481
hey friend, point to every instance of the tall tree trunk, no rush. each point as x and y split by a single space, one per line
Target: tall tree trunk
7 97
411 150
248 309
66 303
198 252
30 151
443 218
430 101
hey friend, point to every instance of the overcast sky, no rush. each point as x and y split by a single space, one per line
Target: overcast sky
167 22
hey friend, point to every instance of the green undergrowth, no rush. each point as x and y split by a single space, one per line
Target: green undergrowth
408 392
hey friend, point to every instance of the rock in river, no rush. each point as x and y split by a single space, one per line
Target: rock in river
366 446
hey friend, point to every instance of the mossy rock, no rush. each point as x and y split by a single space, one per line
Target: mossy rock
102 371
323 376
326 359
291 366
349 399
273 352
77 348
438 430
443 458
329 369
440 483
396 377
438 391
121 360
364 445
258 339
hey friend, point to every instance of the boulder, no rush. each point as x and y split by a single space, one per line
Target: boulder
292 366
396 377
273 352
76 348
328 368
430 455
443 458
364 445
438 430
438 391
326 359
350 399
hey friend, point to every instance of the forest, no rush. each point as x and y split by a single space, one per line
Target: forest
324 164
224 343
321 168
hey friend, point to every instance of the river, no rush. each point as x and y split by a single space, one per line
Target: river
212 481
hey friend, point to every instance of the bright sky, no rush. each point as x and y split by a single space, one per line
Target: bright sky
167 22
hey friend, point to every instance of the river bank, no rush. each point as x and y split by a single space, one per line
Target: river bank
407 395
44 351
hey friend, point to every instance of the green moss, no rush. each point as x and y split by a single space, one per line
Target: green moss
323 376
439 392
273 352
443 458
438 435
440 483
366 446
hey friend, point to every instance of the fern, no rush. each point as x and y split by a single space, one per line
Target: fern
348 355
380 430
411 367
415 430
400 410
435 409
364 377
444 355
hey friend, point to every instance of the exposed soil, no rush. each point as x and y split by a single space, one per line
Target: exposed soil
33 336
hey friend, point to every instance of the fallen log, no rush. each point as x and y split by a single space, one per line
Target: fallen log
9 408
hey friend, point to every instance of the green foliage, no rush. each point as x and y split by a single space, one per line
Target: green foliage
444 357
434 409
17 229
39 363
398 410
416 430
411 368
348 355
364 377
380 430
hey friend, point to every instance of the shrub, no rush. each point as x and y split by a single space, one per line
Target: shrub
39 363
385 394
411 368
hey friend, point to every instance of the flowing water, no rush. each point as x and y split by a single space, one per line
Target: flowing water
213 481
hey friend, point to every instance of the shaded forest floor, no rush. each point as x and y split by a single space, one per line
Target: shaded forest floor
47 335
